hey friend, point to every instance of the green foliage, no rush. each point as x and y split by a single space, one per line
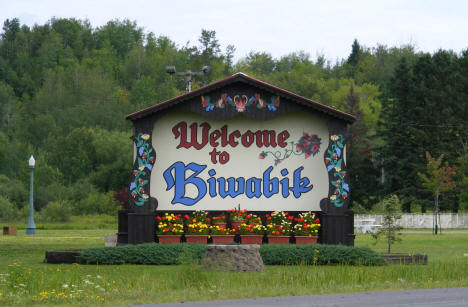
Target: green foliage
65 87
55 211
151 253
318 254
97 203
390 227
8 211
271 254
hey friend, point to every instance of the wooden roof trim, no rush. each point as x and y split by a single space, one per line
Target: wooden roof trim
252 81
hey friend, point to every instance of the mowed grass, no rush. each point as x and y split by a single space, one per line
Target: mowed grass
26 281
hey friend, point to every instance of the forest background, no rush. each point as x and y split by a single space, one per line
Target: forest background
66 86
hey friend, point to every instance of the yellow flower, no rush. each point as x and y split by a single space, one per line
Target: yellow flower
333 197
337 169
141 168
145 196
145 137
334 138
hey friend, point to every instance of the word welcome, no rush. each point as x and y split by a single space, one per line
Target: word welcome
222 138
177 177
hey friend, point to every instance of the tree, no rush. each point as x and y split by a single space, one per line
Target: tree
390 227
437 180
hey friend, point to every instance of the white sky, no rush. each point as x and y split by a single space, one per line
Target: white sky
278 27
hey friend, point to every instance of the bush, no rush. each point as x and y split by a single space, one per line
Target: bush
97 203
153 253
318 254
150 253
8 211
55 211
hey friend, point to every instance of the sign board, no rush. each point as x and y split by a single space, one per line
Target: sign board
260 165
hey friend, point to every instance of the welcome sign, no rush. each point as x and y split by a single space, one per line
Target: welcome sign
239 142
259 165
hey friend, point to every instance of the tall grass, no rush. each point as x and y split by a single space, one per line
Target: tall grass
26 281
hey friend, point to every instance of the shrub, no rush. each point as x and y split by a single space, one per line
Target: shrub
55 211
8 211
318 254
152 253
149 253
97 203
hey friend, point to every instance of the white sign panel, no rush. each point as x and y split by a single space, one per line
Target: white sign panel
260 165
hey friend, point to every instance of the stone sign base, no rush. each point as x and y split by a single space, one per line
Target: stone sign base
239 258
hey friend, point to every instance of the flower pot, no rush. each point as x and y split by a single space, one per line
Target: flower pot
220 224
222 239
278 239
236 225
168 239
306 240
251 239
196 238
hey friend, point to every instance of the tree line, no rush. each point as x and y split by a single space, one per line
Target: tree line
65 87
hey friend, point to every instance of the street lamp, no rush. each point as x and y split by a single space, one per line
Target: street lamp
188 75
31 230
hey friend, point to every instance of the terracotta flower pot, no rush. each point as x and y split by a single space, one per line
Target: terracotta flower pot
278 239
220 224
251 239
236 225
168 239
222 239
306 240
196 238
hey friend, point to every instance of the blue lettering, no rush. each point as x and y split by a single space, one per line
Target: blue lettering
257 187
300 185
270 186
179 182
231 190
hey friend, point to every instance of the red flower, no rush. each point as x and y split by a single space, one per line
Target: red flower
338 182
135 173
268 218
335 157
143 156
194 230
140 181
344 196
343 174
286 213
186 216
336 192
158 218
317 220
151 160
290 217
262 156
141 190
208 219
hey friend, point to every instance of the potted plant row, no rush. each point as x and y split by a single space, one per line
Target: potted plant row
249 226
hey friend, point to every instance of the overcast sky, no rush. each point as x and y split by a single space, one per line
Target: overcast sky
278 27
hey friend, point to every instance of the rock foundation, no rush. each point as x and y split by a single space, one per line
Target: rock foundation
239 258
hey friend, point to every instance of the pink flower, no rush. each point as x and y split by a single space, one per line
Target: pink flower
299 147
262 156
308 154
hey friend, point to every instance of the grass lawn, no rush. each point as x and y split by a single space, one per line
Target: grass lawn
26 281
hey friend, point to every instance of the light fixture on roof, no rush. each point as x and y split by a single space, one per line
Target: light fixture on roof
170 69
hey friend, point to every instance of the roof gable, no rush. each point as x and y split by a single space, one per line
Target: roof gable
277 95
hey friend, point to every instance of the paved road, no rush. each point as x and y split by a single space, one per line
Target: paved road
453 297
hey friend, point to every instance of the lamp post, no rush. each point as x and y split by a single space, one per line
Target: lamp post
31 230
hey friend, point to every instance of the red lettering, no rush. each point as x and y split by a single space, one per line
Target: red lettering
223 157
194 132
224 137
180 130
232 138
213 137
247 138
213 155
282 137
265 138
